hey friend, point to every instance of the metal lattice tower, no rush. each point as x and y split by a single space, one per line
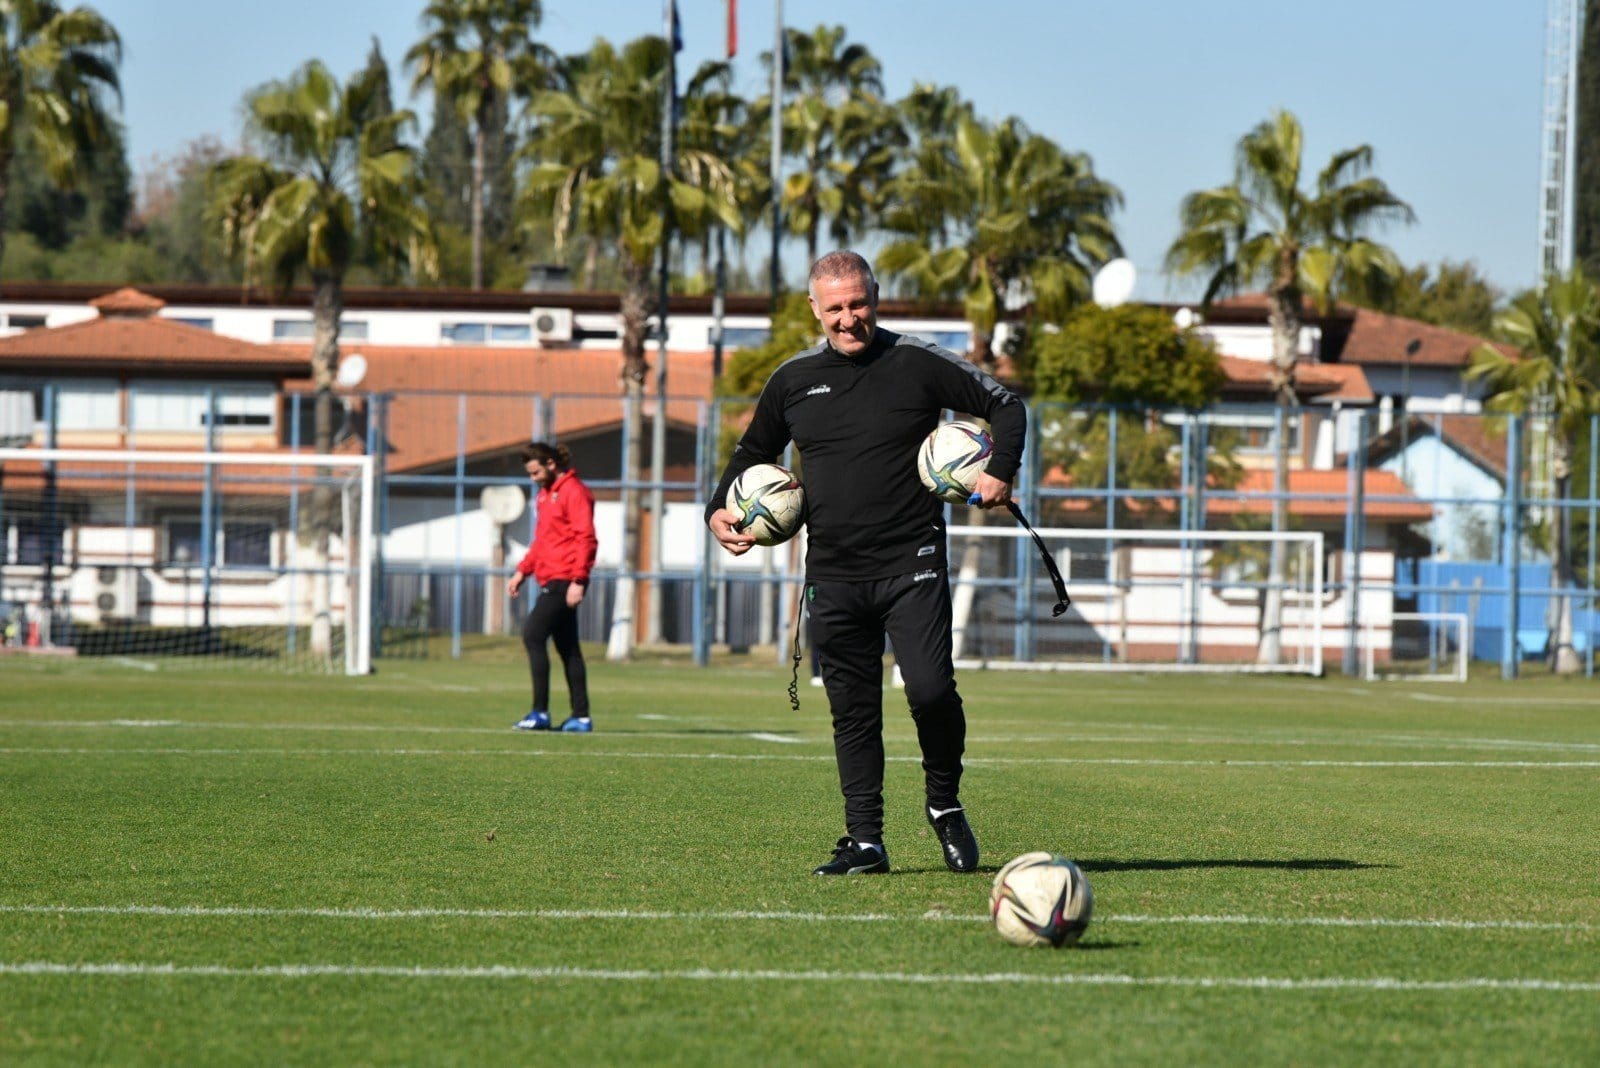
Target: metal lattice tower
1557 155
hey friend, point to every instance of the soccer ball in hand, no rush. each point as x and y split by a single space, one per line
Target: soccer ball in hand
1040 899
951 459
769 503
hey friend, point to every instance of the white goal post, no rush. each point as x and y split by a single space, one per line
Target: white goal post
1142 600
1422 647
251 557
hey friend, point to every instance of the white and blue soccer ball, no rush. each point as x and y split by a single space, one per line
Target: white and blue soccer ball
770 503
951 459
1041 899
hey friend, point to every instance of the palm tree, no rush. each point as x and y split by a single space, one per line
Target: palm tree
839 127
595 169
475 54
1264 229
993 212
1556 375
335 179
56 68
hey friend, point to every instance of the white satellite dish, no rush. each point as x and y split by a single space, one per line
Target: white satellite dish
503 504
352 369
1113 283
1184 318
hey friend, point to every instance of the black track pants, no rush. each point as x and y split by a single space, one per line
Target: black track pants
552 619
848 624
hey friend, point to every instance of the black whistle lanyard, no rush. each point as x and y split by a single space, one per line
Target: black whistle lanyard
1063 602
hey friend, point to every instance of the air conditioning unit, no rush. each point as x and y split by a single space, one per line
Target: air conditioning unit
552 324
116 592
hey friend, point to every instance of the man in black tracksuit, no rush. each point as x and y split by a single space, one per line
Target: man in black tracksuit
858 407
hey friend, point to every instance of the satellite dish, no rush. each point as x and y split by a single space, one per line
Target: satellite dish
1184 318
503 504
1113 283
352 369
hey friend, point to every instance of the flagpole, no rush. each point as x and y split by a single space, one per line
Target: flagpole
658 436
779 61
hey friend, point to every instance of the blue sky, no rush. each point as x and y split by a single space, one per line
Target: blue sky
1447 93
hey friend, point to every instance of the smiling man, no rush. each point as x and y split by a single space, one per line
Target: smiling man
857 407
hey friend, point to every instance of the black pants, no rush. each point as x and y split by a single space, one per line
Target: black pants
551 618
848 623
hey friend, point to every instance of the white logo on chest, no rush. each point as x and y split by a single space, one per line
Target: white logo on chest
816 390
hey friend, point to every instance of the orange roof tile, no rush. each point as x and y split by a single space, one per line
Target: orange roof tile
1334 488
1378 338
145 344
128 301
1322 382
425 417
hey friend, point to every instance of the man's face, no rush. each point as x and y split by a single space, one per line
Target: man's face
847 308
541 471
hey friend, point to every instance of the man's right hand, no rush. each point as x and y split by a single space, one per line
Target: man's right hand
722 528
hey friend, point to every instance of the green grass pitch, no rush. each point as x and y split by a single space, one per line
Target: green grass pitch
206 865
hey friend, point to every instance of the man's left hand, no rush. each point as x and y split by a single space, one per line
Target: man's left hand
990 492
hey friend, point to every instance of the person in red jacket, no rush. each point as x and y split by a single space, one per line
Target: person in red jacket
560 559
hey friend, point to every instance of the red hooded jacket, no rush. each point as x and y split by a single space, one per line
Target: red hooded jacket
564 541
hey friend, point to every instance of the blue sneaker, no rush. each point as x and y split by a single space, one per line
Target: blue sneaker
533 721
575 724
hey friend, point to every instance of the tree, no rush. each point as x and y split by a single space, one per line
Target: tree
1453 295
335 177
1264 229
836 124
996 214
595 169
56 70
1554 376
475 54
1129 363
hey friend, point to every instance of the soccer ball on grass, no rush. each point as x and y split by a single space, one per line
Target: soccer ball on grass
1040 899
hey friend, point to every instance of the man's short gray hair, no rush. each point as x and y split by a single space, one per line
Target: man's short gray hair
840 264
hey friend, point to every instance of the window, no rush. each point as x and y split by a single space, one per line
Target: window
239 543
88 406
464 333
957 341
38 539
510 333
740 337
156 406
25 322
1246 432
304 329
203 324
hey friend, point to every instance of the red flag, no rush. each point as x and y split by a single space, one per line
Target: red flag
733 27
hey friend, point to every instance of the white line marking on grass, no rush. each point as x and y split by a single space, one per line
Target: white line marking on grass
131 969
969 761
142 665
779 915
1365 741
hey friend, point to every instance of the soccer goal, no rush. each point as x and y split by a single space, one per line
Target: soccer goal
213 557
1420 647
1142 600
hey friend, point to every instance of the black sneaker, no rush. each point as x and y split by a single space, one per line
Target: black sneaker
955 836
852 858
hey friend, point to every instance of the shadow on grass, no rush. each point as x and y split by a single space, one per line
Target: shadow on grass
1294 864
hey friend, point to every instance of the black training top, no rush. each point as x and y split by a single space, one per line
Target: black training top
858 422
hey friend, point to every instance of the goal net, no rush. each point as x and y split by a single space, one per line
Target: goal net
1142 600
1419 647
207 556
